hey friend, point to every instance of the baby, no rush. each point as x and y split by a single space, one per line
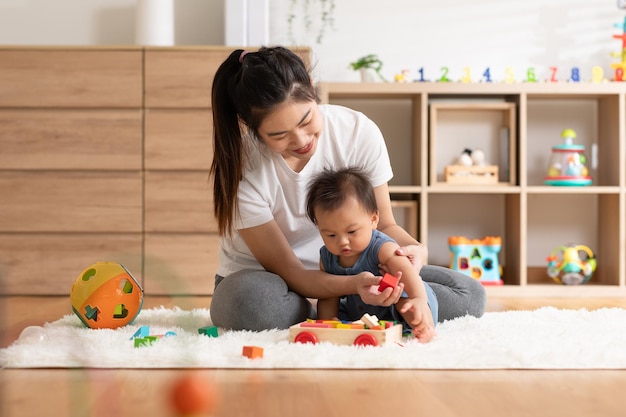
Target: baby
342 204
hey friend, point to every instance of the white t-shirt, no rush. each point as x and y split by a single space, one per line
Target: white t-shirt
271 190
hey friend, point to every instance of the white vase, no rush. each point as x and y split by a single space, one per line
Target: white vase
155 22
369 75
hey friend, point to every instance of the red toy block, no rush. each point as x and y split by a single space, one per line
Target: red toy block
388 281
252 352
320 325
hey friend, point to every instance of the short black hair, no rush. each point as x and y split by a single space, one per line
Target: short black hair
329 189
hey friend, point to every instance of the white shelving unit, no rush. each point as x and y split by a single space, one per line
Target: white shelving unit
427 125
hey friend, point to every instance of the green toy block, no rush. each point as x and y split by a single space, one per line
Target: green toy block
210 331
145 341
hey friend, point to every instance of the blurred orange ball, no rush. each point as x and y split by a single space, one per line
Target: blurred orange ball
192 394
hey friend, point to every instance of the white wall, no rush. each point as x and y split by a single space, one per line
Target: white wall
102 22
458 33
404 33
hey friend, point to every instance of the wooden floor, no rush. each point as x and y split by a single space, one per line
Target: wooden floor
328 393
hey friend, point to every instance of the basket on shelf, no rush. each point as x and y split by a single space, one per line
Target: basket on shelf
476 174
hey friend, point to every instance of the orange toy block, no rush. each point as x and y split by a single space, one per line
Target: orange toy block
252 352
388 281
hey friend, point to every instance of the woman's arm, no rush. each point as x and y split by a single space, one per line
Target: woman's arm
270 247
414 250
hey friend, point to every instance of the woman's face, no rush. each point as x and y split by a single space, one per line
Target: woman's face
293 130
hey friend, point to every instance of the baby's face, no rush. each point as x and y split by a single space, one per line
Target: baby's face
347 230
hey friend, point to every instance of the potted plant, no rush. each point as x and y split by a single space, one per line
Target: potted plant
369 66
313 15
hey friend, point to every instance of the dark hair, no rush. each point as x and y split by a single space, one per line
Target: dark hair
330 189
246 88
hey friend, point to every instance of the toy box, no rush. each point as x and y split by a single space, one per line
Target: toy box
477 258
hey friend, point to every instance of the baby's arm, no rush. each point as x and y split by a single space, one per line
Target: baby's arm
328 308
415 309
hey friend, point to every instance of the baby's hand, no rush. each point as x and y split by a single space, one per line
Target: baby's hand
368 290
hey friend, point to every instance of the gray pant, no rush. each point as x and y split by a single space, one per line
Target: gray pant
260 300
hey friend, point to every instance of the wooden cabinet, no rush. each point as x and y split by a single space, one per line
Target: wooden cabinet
105 155
427 126
70 164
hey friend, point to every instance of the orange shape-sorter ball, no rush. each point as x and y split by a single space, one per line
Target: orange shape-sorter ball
106 295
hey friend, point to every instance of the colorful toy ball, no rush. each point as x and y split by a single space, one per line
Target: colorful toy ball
571 264
106 296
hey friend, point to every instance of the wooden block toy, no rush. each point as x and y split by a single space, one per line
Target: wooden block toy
388 281
252 352
350 326
142 336
320 325
345 336
370 321
387 324
210 331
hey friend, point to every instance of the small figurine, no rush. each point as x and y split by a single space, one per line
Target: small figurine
469 157
571 264
402 77
568 163
471 167
465 159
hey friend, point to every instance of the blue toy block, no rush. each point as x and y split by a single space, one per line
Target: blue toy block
143 331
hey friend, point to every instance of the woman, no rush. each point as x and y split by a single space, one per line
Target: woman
271 137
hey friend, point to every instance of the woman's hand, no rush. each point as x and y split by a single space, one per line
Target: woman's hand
367 287
416 254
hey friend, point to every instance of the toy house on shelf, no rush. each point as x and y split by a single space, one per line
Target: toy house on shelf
477 258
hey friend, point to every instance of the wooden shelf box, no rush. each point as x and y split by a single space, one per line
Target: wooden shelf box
471 124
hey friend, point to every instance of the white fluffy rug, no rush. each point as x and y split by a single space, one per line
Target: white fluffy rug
546 338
